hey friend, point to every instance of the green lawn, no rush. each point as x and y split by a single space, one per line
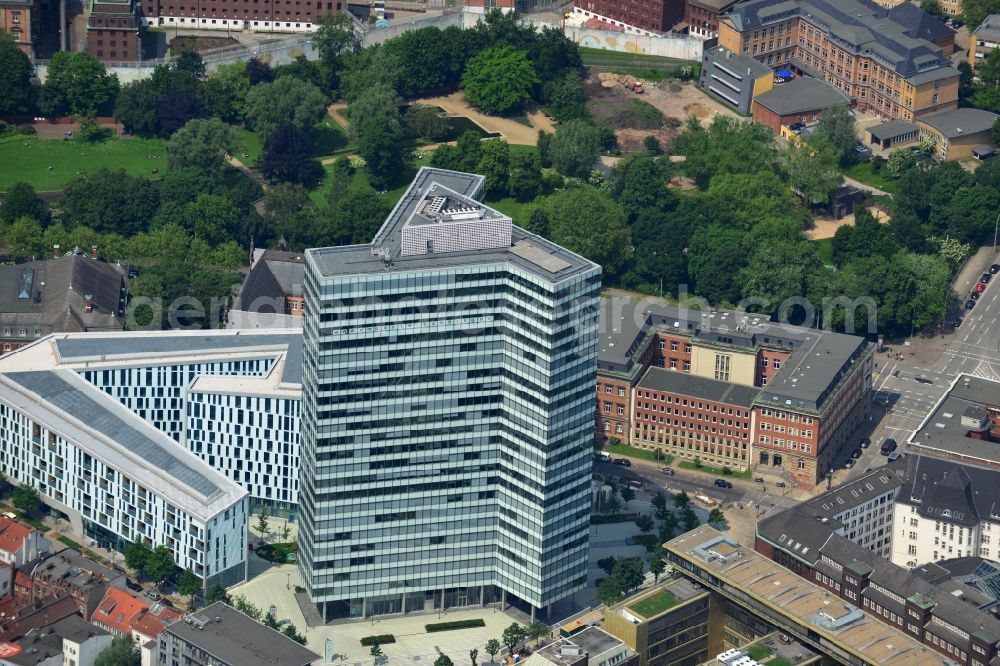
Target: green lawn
327 138
863 172
717 471
588 54
654 604
359 181
824 248
758 652
633 452
27 159
252 145
519 211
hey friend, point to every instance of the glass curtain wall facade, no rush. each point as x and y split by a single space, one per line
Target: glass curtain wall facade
447 435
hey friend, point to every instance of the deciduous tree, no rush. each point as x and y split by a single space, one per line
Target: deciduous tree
287 157
17 92
499 80
77 84
574 147
202 144
286 100
590 224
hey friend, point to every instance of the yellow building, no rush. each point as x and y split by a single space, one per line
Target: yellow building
891 62
957 133
984 39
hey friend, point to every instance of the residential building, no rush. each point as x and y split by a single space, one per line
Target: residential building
219 635
67 572
230 397
113 31
964 426
945 510
68 293
959 132
271 296
702 16
813 386
20 543
801 100
121 613
6 584
734 78
71 641
266 16
984 39
447 410
892 62
799 607
19 619
944 617
590 647
115 476
668 624
644 17
17 18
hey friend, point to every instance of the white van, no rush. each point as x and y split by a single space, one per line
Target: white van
603 456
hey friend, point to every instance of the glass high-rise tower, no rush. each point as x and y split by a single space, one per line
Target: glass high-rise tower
447 410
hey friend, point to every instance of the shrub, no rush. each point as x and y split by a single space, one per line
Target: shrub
26 129
381 639
457 624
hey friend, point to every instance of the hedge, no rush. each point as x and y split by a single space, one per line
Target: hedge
457 624
381 639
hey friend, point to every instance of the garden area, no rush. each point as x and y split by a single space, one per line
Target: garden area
279 553
47 164
654 604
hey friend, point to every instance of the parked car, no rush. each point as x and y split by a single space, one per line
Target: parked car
957 323
856 453
974 296
624 462
135 587
633 483
985 278
759 479
893 457
994 269
666 471
850 463
797 127
780 484
603 456
862 150
969 304
722 483
980 287
888 446
153 594
866 442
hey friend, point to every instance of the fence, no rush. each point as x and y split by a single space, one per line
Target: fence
680 48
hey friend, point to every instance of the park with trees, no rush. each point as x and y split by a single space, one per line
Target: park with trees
251 155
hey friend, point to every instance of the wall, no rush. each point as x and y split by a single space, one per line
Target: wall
682 48
742 365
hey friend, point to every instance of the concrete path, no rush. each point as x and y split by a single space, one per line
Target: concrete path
868 188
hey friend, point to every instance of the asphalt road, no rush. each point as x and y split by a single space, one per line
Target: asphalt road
906 391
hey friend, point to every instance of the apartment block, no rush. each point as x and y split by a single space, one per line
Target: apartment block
71 641
16 19
846 557
892 62
807 389
447 411
836 627
20 543
239 15
984 39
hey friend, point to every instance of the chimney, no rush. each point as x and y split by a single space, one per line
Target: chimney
55 251
93 252
88 302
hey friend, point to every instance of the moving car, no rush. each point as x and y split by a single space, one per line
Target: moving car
624 462
666 471
722 483
888 446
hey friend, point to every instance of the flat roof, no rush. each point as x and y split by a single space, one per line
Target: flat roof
384 254
801 95
812 607
661 379
104 428
990 27
740 63
942 431
234 638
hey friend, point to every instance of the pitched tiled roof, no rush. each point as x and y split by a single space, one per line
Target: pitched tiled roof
118 610
12 534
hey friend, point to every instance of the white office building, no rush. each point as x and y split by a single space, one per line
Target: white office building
447 412
169 437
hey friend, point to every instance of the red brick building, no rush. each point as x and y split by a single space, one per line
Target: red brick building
113 31
791 412
702 16
639 16
254 15
800 100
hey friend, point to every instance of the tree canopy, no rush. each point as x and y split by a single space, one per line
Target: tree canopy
17 92
77 84
499 80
